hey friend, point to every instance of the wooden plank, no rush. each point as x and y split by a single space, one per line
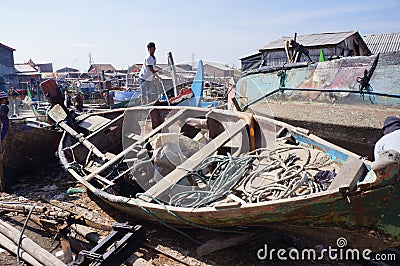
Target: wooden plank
226 205
122 154
59 115
94 122
349 174
221 243
99 129
192 162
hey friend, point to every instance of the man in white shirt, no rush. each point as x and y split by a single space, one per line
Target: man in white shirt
391 138
146 74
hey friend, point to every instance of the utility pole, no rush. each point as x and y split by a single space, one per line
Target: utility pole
90 59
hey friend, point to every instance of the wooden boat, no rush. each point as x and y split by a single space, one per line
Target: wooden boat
28 147
344 100
132 175
30 142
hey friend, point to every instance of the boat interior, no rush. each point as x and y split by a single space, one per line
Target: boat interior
195 157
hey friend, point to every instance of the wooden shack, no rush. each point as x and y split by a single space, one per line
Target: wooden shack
333 45
7 65
218 71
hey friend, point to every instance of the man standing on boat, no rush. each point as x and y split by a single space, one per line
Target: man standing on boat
147 72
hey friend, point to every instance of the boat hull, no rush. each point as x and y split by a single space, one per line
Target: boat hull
373 204
360 209
350 120
27 147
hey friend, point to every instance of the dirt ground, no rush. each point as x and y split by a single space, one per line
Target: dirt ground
163 246
350 115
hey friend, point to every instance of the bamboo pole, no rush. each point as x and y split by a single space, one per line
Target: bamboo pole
12 247
24 208
39 253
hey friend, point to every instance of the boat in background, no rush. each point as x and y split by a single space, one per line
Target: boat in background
29 143
86 86
125 98
28 147
188 94
343 100
197 89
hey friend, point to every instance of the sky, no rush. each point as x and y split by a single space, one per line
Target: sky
117 32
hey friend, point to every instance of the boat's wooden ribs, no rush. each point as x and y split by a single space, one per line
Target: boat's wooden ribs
122 154
94 122
109 123
191 163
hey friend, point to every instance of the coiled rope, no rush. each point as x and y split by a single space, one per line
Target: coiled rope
291 178
245 176
226 174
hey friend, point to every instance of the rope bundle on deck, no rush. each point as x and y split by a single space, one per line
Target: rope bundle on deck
227 172
260 175
288 177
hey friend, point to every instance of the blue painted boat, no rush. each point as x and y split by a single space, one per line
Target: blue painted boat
124 97
86 86
197 88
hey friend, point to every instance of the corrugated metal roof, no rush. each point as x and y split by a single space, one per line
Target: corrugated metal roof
24 68
101 67
219 66
45 67
383 43
255 53
317 39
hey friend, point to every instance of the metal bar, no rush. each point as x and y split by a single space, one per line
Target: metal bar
282 89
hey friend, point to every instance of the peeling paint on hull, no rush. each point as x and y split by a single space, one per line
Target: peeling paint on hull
374 204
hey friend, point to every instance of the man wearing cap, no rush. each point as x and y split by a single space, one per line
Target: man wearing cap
391 138
4 114
146 74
